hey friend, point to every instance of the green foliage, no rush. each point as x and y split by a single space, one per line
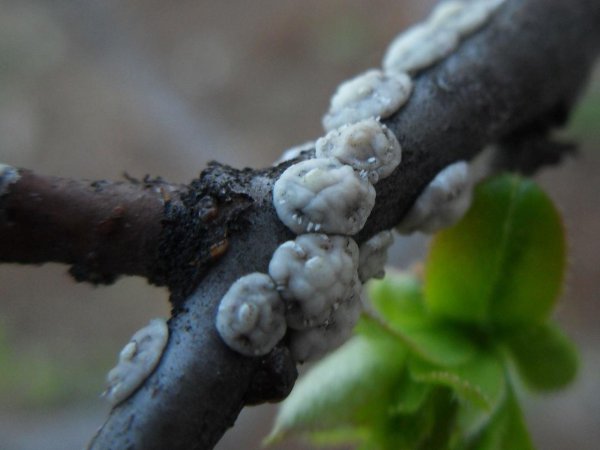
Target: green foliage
431 367
337 393
506 430
545 358
502 266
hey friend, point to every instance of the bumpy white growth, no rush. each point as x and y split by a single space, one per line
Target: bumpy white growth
319 282
251 317
443 202
371 94
368 146
313 343
137 360
463 17
8 176
373 256
418 48
445 11
429 42
295 152
314 274
323 195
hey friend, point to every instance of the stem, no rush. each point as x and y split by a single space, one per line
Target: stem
517 77
103 229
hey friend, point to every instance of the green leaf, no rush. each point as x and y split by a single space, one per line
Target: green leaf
545 357
427 428
481 381
410 396
339 436
372 327
437 343
502 265
349 387
506 430
398 298
440 344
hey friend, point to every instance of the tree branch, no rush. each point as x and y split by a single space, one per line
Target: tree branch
103 229
517 77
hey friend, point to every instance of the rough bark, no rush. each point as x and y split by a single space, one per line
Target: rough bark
511 84
102 229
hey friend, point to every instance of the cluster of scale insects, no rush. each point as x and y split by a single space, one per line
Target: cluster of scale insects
313 290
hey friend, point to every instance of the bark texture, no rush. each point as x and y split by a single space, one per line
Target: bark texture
510 84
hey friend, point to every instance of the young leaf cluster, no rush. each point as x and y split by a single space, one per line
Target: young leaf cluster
436 363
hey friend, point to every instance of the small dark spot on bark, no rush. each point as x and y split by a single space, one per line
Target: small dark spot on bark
217 250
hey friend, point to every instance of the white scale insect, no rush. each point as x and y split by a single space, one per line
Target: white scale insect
250 318
442 203
437 37
313 274
323 195
313 343
371 94
137 361
368 146
373 256
333 194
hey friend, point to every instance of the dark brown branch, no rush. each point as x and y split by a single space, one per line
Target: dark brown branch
102 229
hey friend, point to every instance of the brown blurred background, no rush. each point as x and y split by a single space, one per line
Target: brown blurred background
93 89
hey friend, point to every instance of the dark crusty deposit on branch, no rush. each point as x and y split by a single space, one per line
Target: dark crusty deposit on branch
521 72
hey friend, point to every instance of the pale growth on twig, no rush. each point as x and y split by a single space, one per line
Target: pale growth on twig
442 203
314 274
313 343
424 45
250 318
373 256
137 360
323 195
368 146
419 47
464 17
371 94
333 194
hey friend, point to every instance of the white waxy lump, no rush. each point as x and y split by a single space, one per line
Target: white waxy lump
250 318
463 17
314 274
444 11
371 94
313 343
373 256
368 146
323 195
419 48
424 45
137 360
442 203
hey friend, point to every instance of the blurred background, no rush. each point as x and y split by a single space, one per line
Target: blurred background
92 89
